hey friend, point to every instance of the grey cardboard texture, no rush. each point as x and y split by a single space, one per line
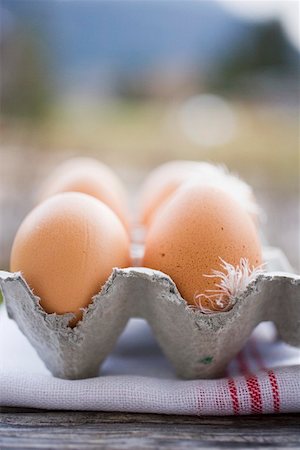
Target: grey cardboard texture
198 345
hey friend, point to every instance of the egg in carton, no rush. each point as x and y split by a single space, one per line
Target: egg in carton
198 345
69 245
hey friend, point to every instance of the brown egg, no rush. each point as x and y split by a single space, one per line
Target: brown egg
160 185
89 176
198 226
66 249
163 181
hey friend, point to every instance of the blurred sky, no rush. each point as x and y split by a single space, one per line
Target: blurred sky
88 45
115 74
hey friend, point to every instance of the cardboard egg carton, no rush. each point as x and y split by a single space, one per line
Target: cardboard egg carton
198 345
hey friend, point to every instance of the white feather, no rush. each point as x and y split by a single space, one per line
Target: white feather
233 282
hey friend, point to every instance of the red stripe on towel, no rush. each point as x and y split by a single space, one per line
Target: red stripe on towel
234 396
255 394
275 390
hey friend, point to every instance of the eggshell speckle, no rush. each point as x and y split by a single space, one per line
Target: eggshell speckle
66 249
198 226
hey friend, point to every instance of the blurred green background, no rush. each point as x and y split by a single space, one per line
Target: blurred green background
138 83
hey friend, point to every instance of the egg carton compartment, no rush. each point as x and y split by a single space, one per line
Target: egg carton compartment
198 345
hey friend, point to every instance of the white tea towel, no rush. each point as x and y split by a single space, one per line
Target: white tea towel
136 377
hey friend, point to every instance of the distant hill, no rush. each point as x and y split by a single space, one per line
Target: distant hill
129 35
94 45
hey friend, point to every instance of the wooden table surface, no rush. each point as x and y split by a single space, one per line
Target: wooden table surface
24 429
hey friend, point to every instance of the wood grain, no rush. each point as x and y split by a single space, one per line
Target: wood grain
37 429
